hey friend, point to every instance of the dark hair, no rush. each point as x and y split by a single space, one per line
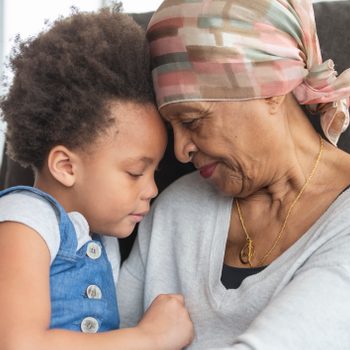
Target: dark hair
64 79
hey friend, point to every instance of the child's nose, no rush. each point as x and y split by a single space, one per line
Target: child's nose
151 190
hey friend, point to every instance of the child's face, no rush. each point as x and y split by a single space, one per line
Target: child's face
116 181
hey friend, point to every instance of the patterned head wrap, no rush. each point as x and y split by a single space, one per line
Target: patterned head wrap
217 50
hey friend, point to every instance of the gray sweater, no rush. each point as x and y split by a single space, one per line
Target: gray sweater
300 301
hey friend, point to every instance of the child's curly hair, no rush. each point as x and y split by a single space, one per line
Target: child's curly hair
64 79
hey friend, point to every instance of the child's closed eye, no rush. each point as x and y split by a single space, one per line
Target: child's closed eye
135 174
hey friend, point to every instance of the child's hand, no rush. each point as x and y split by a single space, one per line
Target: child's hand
168 323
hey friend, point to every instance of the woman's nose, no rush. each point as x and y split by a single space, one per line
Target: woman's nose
184 147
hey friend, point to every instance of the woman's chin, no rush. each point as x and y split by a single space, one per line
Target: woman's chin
225 188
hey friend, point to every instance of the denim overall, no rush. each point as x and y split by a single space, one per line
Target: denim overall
82 289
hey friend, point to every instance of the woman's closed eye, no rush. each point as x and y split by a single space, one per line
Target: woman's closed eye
190 124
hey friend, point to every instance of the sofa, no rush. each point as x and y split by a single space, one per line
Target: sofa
332 19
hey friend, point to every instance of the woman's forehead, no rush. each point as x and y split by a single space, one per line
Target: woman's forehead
177 109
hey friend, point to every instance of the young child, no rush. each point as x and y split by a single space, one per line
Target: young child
80 112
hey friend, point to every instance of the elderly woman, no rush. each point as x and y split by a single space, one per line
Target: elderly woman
258 239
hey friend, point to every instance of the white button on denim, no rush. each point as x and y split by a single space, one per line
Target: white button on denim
93 250
93 292
89 325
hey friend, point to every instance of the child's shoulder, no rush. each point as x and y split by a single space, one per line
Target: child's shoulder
26 204
34 211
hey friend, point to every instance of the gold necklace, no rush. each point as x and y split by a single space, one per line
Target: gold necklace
246 254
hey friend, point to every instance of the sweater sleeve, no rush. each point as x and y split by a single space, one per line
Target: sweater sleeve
131 288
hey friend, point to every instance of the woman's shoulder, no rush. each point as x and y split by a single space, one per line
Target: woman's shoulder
188 187
188 198
341 205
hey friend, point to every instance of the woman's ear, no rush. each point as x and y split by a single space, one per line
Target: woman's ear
62 164
274 103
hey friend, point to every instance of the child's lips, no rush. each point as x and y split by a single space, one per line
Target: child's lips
138 216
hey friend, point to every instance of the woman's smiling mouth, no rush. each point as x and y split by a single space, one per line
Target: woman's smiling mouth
207 170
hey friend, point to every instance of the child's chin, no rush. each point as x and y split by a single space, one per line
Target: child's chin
124 233
119 232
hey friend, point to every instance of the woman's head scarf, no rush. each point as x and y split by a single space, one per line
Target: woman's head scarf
235 50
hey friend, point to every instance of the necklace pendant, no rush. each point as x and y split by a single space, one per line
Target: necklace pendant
246 254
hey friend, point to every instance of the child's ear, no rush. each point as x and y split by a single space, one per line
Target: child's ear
62 164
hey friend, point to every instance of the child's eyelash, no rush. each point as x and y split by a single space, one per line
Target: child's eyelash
135 175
